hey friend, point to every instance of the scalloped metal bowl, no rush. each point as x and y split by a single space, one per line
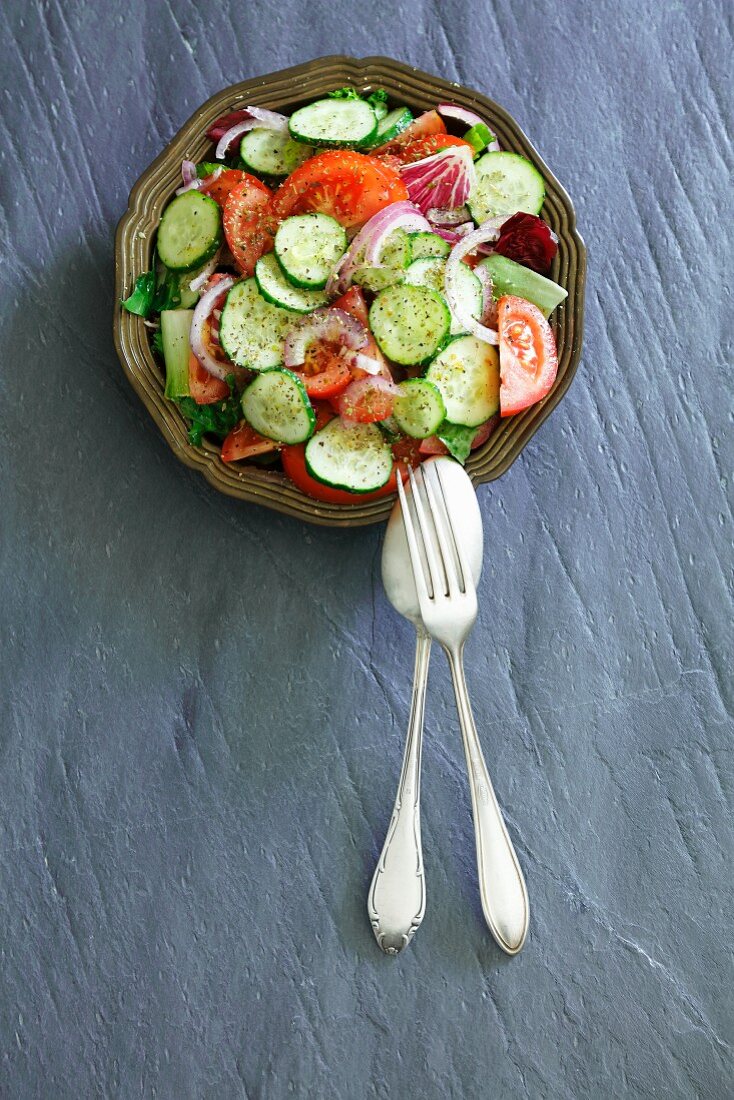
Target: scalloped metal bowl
285 91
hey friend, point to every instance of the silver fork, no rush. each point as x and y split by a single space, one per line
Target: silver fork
448 604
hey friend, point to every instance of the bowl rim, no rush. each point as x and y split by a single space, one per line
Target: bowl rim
269 488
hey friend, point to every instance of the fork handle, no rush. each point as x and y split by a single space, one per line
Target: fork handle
501 883
397 897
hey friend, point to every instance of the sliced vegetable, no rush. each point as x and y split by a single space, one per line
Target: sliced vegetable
251 330
427 244
203 386
307 247
430 122
509 277
175 326
368 249
462 248
442 180
367 400
352 457
334 122
419 408
391 125
321 350
505 183
214 297
479 137
294 467
431 272
275 288
244 442
345 184
528 357
272 152
248 223
467 375
190 231
410 323
276 405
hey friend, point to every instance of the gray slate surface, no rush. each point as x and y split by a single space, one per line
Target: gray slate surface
203 703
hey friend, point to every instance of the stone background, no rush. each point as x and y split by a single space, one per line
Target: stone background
202 704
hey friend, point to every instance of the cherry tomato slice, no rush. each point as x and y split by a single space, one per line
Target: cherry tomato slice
244 442
326 372
528 357
349 186
247 221
366 402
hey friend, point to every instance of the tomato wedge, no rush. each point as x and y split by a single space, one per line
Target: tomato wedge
424 147
244 442
349 186
223 185
430 122
528 357
294 465
203 386
247 221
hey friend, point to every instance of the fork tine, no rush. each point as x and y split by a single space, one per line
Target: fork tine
421 585
443 528
434 568
467 575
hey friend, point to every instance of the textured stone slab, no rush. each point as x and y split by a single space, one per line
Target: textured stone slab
202 705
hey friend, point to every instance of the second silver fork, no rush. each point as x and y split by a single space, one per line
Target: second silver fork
448 605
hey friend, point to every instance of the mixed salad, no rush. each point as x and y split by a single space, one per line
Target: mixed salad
351 289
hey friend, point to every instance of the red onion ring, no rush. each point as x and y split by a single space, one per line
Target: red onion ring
367 245
201 184
201 314
259 118
439 215
335 326
489 311
469 243
461 114
206 272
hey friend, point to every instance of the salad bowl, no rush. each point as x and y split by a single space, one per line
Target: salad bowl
288 90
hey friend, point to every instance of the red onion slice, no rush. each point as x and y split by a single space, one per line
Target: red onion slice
201 315
206 272
188 171
259 117
334 326
461 114
469 243
489 306
444 179
367 245
365 363
201 184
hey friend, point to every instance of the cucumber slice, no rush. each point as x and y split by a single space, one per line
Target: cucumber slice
509 277
430 271
272 152
252 330
394 258
352 457
307 247
391 125
334 122
275 288
175 329
506 183
276 405
427 244
419 409
467 372
190 231
410 323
